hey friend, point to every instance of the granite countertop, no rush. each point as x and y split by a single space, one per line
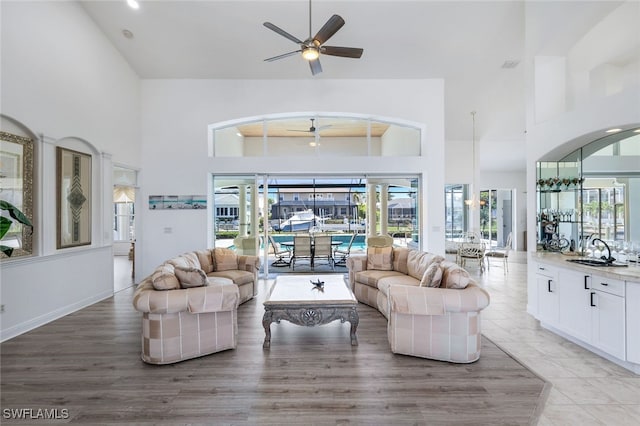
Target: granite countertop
627 273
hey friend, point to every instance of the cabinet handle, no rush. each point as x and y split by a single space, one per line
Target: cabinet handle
586 286
540 268
592 294
604 284
549 286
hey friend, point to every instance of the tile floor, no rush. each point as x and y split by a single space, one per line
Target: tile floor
121 273
586 389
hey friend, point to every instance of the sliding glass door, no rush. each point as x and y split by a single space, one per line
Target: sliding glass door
248 209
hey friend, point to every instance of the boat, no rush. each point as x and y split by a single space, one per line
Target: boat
301 221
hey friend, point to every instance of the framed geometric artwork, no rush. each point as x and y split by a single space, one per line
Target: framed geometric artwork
74 198
16 195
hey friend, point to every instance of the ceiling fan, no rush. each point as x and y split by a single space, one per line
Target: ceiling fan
312 128
312 47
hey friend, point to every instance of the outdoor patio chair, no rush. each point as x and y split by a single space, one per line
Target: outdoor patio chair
301 250
283 256
340 256
322 250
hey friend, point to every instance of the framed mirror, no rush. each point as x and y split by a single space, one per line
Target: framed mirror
16 195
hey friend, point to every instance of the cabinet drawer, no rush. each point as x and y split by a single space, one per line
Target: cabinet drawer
607 285
546 270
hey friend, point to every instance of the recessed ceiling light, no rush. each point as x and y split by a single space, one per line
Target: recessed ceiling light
613 130
133 4
239 134
127 34
636 131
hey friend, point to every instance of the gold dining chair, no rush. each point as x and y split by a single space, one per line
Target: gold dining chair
472 251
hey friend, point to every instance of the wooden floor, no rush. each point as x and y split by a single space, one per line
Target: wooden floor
89 364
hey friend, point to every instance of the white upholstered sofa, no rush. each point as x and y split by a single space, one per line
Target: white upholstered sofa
432 305
189 304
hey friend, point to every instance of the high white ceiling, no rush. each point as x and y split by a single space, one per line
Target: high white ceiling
463 42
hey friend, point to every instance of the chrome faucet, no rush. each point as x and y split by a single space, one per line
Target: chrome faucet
607 258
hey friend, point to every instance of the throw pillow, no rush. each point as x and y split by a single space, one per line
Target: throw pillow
187 260
380 258
225 259
418 262
190 277
163 278
400 258
206 262
455 277
432 276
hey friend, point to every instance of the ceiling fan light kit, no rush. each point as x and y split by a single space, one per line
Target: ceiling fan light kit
310 53
312 47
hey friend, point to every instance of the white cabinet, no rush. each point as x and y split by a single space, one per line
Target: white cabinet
547 286
574 299
608 315
589 307
632 305
608 323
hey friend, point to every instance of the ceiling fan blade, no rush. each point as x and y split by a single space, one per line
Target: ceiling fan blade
345 52
282 32
316 68
284 55
329 29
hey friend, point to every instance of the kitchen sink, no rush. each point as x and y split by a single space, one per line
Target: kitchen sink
596 262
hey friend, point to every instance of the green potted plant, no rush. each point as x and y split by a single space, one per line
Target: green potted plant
5 223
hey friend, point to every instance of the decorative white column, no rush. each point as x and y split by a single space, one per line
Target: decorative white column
254 210
384 209
371 210
242 210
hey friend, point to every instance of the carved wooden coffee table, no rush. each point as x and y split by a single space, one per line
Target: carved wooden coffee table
294 298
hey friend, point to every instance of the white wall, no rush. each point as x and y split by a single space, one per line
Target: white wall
66 86
176 114
400 141
62 77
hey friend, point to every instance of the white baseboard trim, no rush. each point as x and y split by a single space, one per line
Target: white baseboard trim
31 324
